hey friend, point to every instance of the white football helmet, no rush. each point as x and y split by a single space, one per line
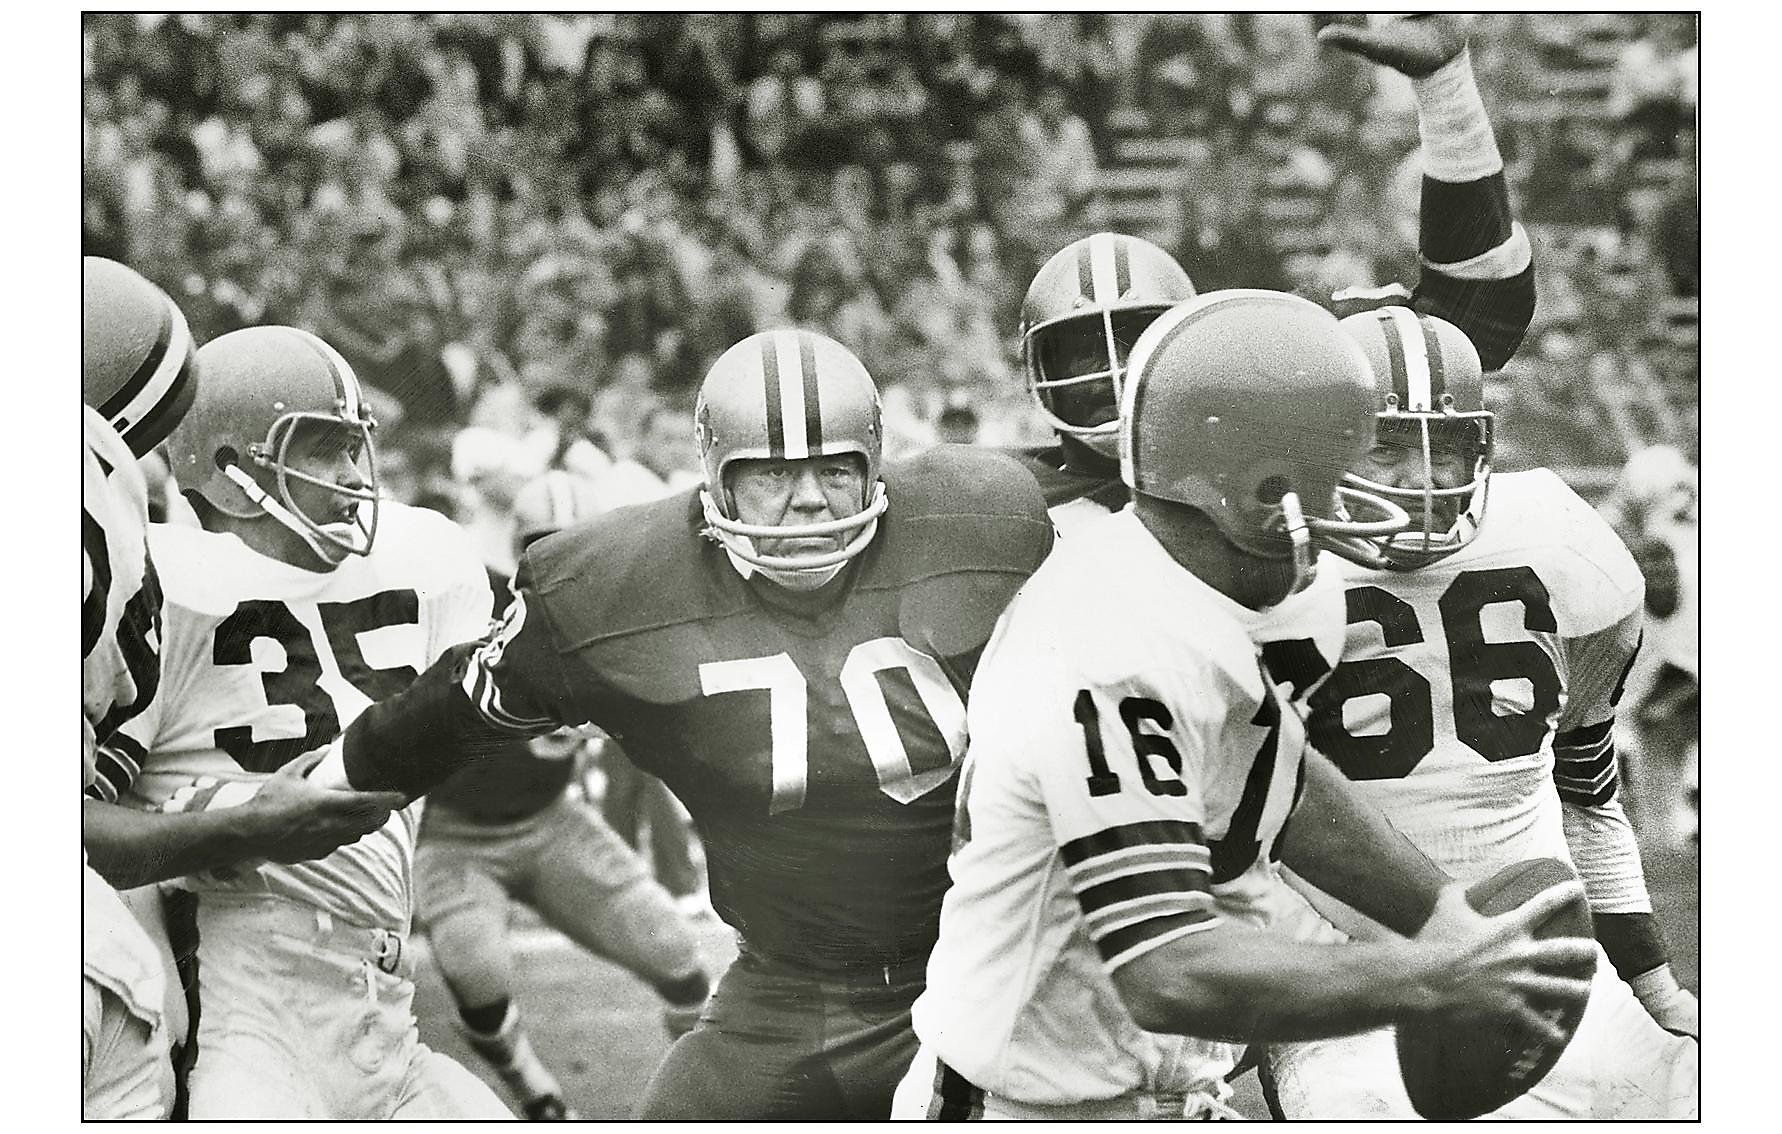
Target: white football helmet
789 394
232 447
1250 405
1428 379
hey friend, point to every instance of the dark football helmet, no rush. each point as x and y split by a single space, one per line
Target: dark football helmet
1251 406
1082 314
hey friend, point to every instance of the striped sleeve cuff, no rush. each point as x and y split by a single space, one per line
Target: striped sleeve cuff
116 766
1141 885
1584 765
479 685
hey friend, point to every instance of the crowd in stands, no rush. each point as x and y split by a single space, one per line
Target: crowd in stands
483 211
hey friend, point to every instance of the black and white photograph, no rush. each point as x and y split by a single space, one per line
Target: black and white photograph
839 566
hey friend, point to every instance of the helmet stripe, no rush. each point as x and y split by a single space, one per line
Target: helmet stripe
1405 333
1122 266
346 383
145 409
1085 273
1106 277
792 411
150 366
1432 350
813 397
770 380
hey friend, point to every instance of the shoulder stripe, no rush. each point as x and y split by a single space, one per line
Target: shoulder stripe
1585 736
1584 765
1147 833
1123 945
1126 888
1136 860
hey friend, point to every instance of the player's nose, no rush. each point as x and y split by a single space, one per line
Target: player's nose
807 491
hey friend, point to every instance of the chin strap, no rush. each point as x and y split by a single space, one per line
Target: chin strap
1305 558
280 513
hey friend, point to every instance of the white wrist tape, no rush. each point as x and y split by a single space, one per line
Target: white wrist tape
331 772
1658 984
1458 144
1500 263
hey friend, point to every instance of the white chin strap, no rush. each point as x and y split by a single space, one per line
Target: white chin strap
329 553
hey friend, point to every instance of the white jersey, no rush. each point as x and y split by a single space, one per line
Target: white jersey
1131 765
264 661
1460 681
120 614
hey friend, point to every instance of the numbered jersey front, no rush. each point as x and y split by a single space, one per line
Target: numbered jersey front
1132 766
264 661
814 747
1456 678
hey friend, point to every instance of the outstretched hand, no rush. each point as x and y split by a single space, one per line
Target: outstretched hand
294 820
1415 45
1482 967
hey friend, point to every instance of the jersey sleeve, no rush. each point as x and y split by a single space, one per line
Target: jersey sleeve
1122 788
472 702
1585 770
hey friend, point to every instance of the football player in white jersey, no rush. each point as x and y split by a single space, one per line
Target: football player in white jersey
302 599
1132 767
1475 705
137 379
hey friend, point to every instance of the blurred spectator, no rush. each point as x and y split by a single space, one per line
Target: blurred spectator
957 425
782 106
1055 192
1653 506
565 439
829 294
663 460
1653 86
476 206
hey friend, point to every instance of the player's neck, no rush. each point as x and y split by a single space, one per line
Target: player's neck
804 604
1191 538
1082 458
262 534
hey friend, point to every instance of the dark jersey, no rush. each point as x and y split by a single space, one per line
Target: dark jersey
522 778
814 743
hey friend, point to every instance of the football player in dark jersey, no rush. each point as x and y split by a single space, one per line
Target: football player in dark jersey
1087 304
788 648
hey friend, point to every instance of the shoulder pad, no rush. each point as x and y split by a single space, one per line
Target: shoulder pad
965 529
431 541
1061 484
631 569
1600 580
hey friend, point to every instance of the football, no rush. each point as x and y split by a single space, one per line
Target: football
1454 1072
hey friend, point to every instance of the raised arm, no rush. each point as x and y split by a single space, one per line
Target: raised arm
1477 269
